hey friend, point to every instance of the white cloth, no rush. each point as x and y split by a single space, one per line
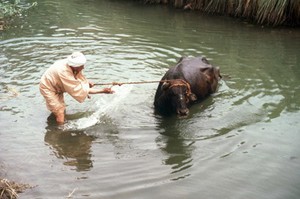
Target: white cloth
76 59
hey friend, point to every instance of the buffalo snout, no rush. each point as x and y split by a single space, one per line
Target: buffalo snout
182 112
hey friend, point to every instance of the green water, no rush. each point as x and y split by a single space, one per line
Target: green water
242 142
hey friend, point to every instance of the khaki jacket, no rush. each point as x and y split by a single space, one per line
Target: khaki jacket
58 79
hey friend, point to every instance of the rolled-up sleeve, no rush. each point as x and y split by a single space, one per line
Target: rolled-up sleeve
77 88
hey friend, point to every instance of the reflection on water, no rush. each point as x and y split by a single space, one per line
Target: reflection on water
113 146
176 147
74 147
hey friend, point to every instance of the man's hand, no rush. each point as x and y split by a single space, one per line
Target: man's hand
91 84
108 91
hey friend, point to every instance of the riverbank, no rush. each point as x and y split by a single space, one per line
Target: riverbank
270 12
8 10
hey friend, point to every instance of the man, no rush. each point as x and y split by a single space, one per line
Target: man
66 76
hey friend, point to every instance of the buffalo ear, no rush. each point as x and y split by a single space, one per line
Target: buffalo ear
181 58
193 97
209 73
165 86
204 60
213 73
217 73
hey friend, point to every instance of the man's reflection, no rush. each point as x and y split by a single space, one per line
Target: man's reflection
72 146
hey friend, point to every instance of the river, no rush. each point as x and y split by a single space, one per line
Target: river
242 142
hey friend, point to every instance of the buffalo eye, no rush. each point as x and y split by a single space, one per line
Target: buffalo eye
165 85
187 100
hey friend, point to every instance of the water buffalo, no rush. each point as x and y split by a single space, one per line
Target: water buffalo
190 81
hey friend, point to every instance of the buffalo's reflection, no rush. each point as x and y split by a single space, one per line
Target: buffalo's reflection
171 141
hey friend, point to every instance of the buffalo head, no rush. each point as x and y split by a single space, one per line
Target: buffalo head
179 94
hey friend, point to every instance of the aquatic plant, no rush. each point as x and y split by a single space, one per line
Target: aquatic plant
10 190
11 8
270 12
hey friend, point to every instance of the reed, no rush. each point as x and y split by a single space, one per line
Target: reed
270 12
10 190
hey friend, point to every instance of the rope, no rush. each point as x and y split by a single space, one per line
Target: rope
184 83
121 83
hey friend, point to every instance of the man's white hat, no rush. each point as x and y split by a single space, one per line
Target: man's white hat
76 59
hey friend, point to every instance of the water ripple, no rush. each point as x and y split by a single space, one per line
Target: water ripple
114 146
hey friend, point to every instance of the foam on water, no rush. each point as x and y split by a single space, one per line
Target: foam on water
104 106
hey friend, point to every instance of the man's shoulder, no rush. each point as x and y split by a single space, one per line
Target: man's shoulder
61 68
60 65
61 62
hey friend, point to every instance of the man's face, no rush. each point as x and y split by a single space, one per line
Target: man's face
76 70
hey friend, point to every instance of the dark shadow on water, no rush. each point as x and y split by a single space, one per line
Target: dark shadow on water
171 141
74 147
178 135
